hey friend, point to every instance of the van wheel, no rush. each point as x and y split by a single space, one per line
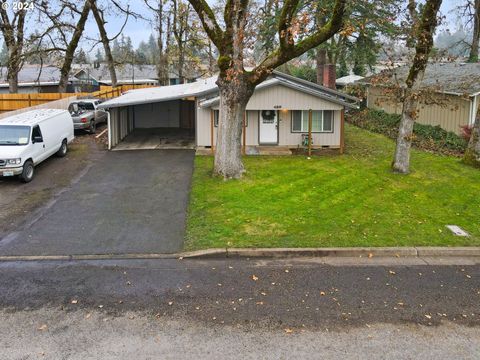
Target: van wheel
63 149
93 127
28 172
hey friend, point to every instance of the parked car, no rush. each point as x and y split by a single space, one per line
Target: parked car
29 138
86 114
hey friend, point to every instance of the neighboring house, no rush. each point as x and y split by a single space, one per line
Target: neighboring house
347 80
452 90
34 79
276 116
85 78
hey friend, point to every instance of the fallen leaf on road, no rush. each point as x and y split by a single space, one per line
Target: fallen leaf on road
170 303
74 301
43 327
88 316
288 331
322 293
263 293
391 272
254 278
259 302
370 255
286 270
428 316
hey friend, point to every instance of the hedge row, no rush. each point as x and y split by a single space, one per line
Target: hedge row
427 137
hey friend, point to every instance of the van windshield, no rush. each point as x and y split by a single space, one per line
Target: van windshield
14 135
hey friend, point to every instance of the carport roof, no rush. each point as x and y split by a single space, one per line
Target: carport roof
163 93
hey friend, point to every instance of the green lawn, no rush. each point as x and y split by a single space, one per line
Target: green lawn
334 200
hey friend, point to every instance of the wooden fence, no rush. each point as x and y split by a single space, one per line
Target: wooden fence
10 102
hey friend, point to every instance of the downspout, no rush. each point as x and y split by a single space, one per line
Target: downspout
109 131
473 114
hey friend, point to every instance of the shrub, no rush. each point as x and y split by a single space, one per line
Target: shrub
427 137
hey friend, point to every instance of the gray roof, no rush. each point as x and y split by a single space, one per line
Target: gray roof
126 72
29 74
452 78
202 87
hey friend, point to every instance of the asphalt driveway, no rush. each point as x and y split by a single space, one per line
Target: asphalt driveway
126 202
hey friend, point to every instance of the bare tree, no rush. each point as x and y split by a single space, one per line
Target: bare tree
236 84
425 27
13 31
100 20
72 46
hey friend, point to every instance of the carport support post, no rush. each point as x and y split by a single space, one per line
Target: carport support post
212 115
244 133
310 132
342 131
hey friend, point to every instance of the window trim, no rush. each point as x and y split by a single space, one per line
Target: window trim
313 132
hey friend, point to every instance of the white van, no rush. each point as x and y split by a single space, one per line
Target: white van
29 138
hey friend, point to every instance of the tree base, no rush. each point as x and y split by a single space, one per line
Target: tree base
471 158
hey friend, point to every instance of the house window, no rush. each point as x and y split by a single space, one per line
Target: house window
322 121
216 115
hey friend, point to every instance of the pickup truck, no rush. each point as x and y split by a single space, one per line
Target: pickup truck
86 114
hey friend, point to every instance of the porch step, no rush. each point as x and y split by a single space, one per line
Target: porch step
274 150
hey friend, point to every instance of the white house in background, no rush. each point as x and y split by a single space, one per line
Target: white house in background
347 80
187 116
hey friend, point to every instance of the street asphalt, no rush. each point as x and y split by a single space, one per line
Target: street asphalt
125 202
239 308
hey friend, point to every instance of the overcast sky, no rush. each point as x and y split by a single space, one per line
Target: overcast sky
139 30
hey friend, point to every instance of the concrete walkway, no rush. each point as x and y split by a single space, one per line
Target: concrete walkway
127 202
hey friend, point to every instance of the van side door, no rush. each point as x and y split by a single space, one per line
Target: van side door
38 153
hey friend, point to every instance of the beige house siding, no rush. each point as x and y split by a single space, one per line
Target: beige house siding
285 136
282 97
271 98
453 112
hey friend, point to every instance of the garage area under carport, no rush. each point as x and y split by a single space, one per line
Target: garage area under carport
156 125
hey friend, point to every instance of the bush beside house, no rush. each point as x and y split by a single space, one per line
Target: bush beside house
427 137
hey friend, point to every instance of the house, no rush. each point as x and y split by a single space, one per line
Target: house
347 80
187 116
452 94
34 79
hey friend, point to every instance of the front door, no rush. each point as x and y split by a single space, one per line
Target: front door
268 127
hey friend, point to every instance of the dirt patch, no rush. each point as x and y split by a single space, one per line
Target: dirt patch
17 200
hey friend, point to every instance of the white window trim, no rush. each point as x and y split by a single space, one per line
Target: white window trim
304 131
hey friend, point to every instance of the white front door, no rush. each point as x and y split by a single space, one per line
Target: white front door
268 127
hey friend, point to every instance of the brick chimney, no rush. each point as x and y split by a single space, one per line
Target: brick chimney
329 76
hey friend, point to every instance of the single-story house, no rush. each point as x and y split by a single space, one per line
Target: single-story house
277 115
451 93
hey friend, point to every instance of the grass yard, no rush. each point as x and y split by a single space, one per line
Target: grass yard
334 200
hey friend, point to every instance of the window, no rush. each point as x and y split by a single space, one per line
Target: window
36 133
322 121
14 135
216 115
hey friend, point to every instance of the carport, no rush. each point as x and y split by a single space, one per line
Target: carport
156 118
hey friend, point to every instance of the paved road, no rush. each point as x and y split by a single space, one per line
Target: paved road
126 202
238 308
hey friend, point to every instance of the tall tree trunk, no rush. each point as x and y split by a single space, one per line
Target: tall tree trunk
105 41
472 154
424 44
473 57
13 69
234 96
321 60
72 47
